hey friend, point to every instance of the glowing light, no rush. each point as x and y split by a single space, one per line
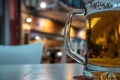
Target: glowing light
43 5
29 20
72 32
82 34
59 54
37 38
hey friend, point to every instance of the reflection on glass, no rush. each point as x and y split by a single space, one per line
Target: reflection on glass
99 50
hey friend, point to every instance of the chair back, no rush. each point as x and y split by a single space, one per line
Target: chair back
21 54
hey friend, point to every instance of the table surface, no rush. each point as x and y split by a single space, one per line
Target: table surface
40 71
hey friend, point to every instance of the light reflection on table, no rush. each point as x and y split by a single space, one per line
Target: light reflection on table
40 71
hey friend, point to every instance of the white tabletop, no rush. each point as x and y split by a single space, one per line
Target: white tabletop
40 71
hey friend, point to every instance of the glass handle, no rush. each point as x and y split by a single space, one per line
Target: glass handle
67 47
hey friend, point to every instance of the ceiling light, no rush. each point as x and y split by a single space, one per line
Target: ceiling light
43 5
59 54
28 20
37 38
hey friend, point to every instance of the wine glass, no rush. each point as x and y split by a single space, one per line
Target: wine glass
99 50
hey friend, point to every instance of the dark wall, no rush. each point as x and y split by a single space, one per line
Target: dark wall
1 22
9 22
14 21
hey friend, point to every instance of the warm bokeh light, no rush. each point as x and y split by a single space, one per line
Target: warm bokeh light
43 5
59 54
37 38
28 20
72 32
26 26
46 25
82 34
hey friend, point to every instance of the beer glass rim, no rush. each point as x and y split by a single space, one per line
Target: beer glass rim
100 11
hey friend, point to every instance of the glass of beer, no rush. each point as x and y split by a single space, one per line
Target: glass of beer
99 49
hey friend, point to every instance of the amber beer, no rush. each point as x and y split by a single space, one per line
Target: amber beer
103 38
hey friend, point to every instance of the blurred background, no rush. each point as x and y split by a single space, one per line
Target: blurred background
29 21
